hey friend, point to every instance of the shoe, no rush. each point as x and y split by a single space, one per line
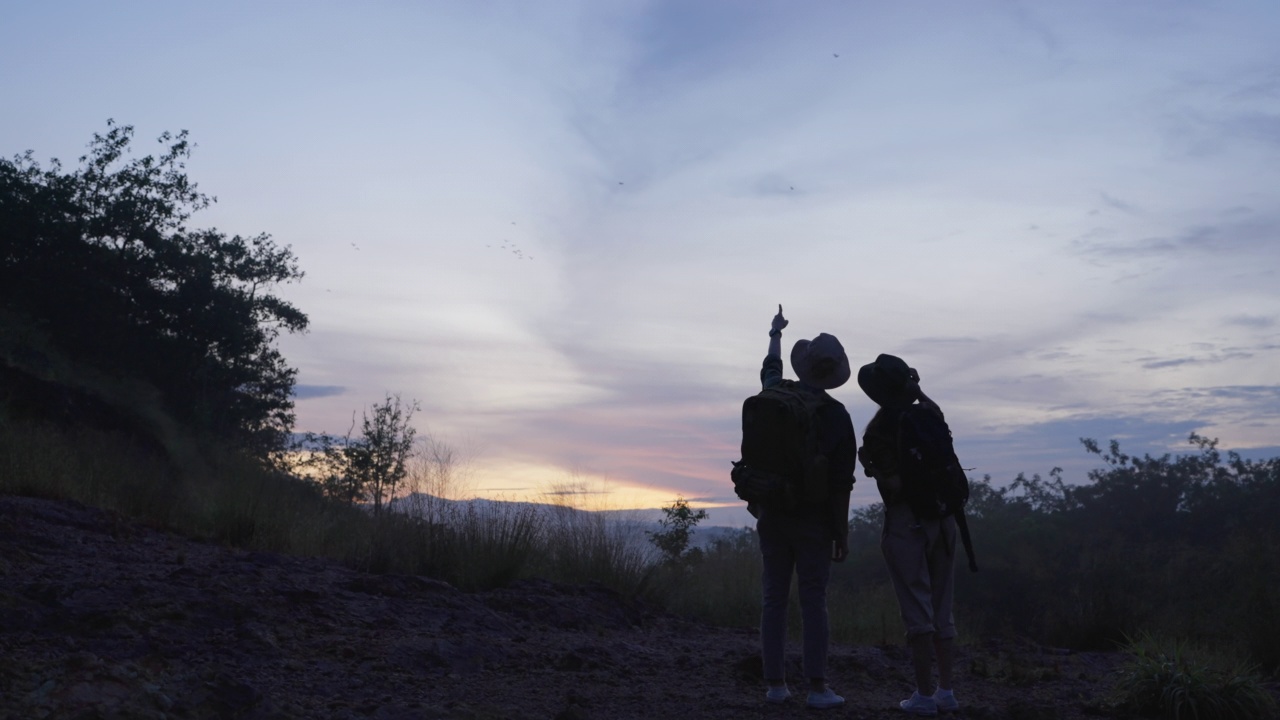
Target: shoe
778 694
946 700
919 704
824 700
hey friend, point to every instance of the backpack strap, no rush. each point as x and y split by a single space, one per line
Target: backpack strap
962 524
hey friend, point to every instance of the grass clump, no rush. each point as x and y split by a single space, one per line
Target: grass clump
1174 679
722 586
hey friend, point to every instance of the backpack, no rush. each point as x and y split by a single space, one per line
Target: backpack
782 462
934 483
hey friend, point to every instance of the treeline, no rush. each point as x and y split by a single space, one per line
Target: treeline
1182 547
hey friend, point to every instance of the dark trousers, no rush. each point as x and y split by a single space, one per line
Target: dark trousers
799 545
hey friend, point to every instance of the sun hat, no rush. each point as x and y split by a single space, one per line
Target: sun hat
820 362
886 379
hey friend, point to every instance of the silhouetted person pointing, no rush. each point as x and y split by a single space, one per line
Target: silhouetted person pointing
799 438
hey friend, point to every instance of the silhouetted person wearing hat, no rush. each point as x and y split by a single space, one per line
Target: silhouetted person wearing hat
806 540
920 553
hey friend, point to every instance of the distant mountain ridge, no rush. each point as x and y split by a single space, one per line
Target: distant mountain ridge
642 521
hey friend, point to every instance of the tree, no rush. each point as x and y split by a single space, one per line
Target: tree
101 266
678 523
386 439
370 467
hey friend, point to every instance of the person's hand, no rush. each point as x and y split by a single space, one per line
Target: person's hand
779 322
840 548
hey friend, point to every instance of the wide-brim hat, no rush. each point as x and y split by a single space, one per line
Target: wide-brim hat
820 362
887 379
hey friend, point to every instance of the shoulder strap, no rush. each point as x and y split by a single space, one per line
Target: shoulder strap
902 420
962 524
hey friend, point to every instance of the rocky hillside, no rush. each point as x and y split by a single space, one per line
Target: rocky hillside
103 618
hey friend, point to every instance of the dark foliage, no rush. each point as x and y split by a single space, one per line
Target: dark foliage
678 523
1183 546
103 285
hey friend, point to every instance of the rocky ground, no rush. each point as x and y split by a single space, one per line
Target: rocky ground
103 618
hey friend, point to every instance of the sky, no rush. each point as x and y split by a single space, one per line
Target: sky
563 227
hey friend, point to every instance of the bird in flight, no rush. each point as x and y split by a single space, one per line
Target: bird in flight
511 247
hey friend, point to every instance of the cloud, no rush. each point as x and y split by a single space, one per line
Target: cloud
1260 322
1251 393
1245 413
1149 363
773 184
1035 27
1264 87
1039 447
1259 126
1246 237
1118 204
574 492
1190 239
308 392
931 345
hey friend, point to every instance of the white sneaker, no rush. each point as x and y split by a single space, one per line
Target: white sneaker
946 700
778 694
824 700
919 704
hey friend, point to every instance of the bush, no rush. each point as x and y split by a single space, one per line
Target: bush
678 523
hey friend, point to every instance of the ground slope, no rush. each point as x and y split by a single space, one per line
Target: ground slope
102 617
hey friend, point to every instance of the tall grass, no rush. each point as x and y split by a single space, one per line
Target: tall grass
221 497
724 587
232 500
589 547
1174 679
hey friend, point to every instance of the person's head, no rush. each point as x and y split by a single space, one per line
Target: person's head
820 362
889 382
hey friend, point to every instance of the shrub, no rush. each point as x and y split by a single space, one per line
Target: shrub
1178 680
678 523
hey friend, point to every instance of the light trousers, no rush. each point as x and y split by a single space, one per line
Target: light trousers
921 556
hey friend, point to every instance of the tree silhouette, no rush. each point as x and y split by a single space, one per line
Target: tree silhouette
369 467
1178 545
103 285
678 522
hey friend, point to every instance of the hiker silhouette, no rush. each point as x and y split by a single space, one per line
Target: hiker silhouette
802 508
